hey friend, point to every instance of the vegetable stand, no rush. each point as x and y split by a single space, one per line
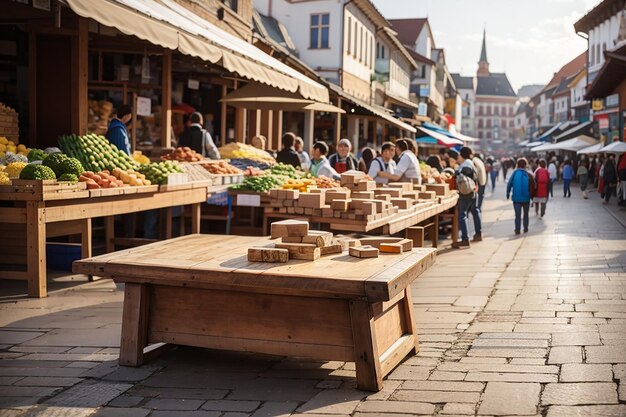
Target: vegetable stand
200 290
29 217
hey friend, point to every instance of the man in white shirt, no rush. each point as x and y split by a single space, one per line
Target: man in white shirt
407 168
553 171
383 163
320 166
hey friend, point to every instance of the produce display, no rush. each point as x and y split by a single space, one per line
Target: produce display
182 154
286 170
244 163
325 182
7 157
251 171
130 177
95 152
10 146
4 178
221 168
37 172
14 169
68 177
298 184
36 155
54 162
102 179
140 158
261 183
241 150
157 172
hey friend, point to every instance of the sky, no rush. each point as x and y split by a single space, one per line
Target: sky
529 40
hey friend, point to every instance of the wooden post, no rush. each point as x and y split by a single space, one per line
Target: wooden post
32 88
133 132
168 222
223 110
309 124
434 233
240 124
166 99
255 123
416 234
36 249
353 131
134 324
267 127
85 238
407 306
80 59
368 372
109 234
455 224
337 129
278 129
196 211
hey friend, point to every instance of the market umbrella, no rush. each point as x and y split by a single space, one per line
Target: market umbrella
256 96
591 149
615 147
573 144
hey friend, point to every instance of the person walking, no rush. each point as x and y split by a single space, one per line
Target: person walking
621 176
609 177
542 184
583 177
481 172
521 184
466 178
495 169
554 173
568 175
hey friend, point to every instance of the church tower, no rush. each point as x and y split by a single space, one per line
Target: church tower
483 64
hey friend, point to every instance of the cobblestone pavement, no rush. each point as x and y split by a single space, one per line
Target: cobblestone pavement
515 325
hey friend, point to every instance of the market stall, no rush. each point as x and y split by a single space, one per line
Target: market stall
178 292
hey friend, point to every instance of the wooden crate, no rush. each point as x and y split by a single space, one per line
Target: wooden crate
42 190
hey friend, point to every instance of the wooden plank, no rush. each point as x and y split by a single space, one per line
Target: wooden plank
135 324
268 255
368 372
389 327
302 251
289 228
36 248
363 251
409 317
86 238
396 353
196 219
318 238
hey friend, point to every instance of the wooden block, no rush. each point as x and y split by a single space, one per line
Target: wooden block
414 195
288 203
318 238
382 197
351 177
292 239
402 203
367 195
369 207
427 195
390 248
347 242
419 187
364 252
308 211
366 186
289 228
416 234
378 240
393 192
337 214
337 195
331 249
268 255
341 205
303 251
282 210
291 210
439 189
299 210
290 194
404 186
311 200
328 212
407 245
275 193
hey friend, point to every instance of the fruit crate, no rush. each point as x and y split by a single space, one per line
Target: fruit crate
42 190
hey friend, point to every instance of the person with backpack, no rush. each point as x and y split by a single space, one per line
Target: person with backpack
522 184
383 163
199 139
542 186
567 175
466 185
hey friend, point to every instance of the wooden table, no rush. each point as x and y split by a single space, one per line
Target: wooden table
25 225
200 290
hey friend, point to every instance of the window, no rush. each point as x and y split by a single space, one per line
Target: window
496 111
423 71
488 123
480 135
488 134
319 31
480 123
503 124
349 35
362 49
511 123
231 4
488 110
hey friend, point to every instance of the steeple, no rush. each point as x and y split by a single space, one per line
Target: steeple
483 64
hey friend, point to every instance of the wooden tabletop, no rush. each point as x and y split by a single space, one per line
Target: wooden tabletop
220 262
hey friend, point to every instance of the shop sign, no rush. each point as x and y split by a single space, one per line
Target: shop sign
124 73
144 106
597 104
145 70
424 90
612 100
193 84
603 124
249 200
42 4
422 109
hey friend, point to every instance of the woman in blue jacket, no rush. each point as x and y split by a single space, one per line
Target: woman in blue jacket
522 184
568 176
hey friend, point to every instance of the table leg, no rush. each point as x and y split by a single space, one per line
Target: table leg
434 234
455 224
36 249
134 324
229 213
85 239
109 233
368 372
407 306
168 222
196 212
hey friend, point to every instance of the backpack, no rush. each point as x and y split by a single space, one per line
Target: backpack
465 184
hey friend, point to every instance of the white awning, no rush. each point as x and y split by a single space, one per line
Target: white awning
168 24
573 130
440 137
615 147
573 144
591 149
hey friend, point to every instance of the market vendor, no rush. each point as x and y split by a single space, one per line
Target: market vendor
117 133
198 138
320 166
342 160
383 163
408 166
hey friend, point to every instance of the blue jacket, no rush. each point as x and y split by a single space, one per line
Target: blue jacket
568 172
520 181
117 134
